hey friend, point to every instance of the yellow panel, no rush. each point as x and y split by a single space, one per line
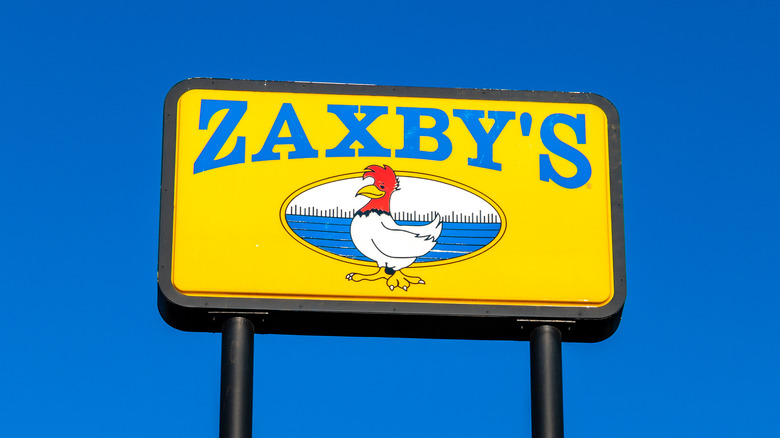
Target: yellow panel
231 236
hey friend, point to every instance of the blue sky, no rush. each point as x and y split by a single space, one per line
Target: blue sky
85 352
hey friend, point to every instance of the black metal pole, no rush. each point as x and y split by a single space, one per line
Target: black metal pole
546 383
235 407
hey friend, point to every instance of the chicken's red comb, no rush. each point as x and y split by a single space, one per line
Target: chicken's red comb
383 173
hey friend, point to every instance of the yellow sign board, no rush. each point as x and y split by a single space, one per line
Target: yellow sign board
336 193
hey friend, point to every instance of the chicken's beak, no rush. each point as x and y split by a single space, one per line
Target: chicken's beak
371 191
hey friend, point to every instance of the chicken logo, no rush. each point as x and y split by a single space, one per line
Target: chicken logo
377 236
366 219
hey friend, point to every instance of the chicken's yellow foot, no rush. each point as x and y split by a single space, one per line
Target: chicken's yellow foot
370 277
394 278
399 279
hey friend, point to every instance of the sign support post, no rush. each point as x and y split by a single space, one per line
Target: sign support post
235 413
546 383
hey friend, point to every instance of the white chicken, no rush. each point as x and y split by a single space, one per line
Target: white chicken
377 236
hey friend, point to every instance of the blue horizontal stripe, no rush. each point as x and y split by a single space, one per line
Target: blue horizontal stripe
470 226
318 219
468 241
329 235
477 238
412 223
464 249
431 258
447 232
329 243
319 227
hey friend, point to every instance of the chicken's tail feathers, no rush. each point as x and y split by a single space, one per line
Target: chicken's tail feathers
438 220
436 226
428 232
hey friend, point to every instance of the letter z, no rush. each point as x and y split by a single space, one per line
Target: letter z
207 159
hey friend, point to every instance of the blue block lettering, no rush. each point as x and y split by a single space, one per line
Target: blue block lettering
563 150
358 131
485 140
207 159
297 137
413 132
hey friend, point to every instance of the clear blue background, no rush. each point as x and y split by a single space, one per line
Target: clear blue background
83 351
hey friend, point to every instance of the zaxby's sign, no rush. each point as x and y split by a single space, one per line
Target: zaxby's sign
390 211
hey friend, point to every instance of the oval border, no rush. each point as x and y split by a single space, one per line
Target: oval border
288 200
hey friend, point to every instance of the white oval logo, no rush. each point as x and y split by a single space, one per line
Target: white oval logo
435 220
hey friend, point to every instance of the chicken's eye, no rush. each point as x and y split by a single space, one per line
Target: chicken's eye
382 186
